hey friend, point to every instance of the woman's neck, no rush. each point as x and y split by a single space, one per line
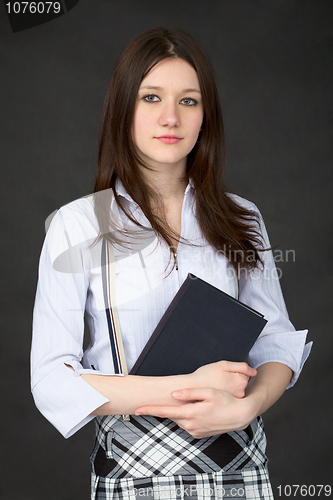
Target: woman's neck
169 184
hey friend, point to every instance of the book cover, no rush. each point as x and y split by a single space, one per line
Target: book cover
201 325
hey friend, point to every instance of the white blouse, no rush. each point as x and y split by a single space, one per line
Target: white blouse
70 288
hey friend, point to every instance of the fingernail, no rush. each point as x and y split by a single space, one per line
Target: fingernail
176 394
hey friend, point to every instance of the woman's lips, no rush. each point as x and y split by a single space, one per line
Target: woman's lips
169 139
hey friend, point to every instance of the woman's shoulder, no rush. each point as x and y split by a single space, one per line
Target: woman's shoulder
76 218
71 213
243 202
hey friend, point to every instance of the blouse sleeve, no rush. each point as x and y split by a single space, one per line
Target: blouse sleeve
60 394
279 341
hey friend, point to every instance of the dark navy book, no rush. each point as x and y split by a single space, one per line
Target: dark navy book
201 325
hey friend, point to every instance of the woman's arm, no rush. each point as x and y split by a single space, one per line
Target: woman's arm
271 381
210 411
127 393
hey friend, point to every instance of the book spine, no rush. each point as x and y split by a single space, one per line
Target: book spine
162 324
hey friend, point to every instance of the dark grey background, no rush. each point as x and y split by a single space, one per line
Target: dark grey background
271 60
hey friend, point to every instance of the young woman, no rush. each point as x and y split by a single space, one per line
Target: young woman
161 208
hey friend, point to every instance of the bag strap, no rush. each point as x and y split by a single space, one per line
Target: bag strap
109 294
108 268
236 282
108 274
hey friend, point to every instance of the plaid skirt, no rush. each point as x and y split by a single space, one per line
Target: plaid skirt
153 458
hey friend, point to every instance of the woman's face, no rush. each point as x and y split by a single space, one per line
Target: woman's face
168 114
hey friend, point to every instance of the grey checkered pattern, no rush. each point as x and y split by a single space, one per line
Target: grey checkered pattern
154 458
251 484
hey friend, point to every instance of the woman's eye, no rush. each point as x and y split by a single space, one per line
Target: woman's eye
188 101
150 98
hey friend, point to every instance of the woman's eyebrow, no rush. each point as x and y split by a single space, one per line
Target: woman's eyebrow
153 87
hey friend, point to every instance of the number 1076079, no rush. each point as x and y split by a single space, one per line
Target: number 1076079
33 7
303 490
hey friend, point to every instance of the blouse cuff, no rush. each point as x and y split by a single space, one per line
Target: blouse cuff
66 399
79 370
288 348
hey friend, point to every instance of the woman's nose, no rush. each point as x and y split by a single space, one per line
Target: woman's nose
169 115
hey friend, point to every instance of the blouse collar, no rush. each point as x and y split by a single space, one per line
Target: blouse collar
121 191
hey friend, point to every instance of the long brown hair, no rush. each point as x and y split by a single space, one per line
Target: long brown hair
228 227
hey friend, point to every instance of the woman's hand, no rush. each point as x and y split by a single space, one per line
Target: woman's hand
211 406
205 412
210 411
225 376
126 394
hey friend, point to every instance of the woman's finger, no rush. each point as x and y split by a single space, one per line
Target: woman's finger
243 368
180 411
192 395
172 412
